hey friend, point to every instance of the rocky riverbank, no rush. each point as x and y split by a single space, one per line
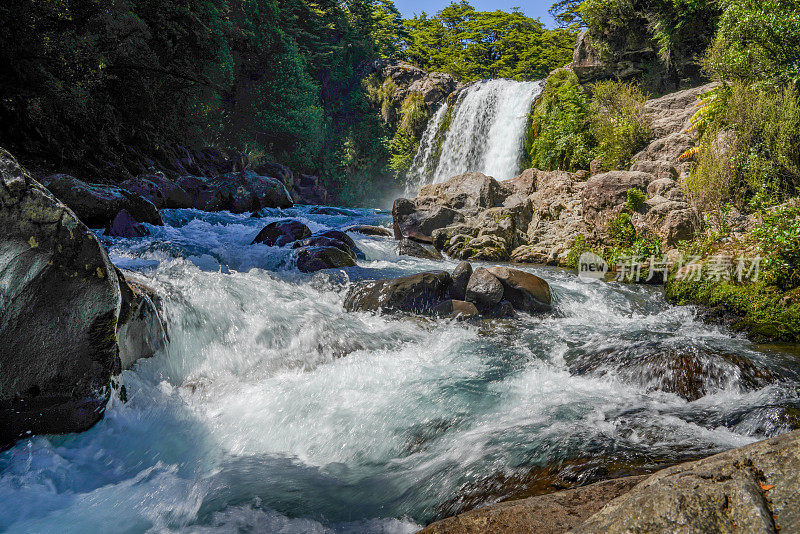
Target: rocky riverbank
71 321
751 489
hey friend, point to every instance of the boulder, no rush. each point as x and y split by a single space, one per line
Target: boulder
323 241
417 293
201 194
141 331
434 87
755 488
342 237
406 247
605 194
281 233
160 190
455 309
418 223
525 291
239 192
366 229
461 276
276 170
96 205
470 190
554 513
484 289
59 297
124 225
312 259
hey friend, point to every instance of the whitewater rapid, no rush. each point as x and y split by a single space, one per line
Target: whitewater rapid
274 410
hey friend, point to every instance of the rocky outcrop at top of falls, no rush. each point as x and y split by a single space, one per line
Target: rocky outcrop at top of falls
493 292
755 488
536 216
434 87
69 321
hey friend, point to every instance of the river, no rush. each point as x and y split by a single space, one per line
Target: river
272 409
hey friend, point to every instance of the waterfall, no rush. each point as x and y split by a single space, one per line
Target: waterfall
486 133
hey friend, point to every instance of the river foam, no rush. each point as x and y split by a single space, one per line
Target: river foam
274 410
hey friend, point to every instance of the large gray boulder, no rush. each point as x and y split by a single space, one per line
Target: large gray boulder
417 293
470 190
752 489
525 291
418 222
59 301
96 205
160 190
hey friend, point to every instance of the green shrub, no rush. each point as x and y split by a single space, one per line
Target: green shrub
758 41
618 122
578 247
779 236
559 136
621 230
413 114
750 148
635 199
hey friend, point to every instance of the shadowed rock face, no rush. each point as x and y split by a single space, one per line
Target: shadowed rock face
281 233
96 205
59 298
314 258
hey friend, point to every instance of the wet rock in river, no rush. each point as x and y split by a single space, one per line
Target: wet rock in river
484 289
457 309
315 258
526 292
125 226
59 297
281 233
461 275
406 247
96 205
366 229
417 293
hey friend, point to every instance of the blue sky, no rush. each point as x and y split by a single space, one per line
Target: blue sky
532 8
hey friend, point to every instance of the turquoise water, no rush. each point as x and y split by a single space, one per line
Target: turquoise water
274 410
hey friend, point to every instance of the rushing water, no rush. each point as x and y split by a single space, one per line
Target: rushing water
486 133
274 410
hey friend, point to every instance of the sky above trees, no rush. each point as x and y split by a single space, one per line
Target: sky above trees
532 8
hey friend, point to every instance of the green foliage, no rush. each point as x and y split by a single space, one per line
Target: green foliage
679 29
559 136
779 237
621 230
758 42
749 150
471 45
635 198
618 122
763 312
578 247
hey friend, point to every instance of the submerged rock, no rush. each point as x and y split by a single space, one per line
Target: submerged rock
96 205
316 258
366 229
281 233
125 226
59 297
417 293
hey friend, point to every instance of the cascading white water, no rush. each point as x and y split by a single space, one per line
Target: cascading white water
273 409
486 133
424 157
